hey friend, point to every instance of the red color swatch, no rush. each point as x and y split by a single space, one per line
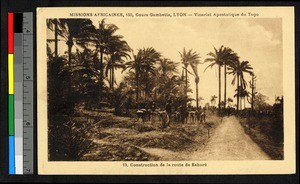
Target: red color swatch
10 30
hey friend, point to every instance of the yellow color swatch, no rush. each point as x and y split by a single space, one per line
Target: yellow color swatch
10 74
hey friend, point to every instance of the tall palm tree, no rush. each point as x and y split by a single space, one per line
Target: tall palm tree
52 24
136 65
149 58
194 64
229 57
191 58
74 30
117 52
238 69
143 64
103 37
220 57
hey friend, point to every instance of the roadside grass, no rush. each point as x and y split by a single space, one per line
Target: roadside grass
267 132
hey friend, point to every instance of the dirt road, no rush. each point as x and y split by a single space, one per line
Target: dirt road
228 142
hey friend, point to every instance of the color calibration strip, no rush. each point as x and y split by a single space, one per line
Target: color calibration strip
11 115
20 90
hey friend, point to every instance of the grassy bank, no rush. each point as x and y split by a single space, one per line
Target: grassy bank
267 132
102 136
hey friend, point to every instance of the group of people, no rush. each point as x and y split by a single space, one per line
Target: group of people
171 113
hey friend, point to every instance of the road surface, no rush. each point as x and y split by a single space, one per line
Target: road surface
228 142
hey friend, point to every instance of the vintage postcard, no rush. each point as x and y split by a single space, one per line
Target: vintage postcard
166 90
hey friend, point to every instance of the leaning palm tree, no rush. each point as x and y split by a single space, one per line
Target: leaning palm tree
193 59
238 69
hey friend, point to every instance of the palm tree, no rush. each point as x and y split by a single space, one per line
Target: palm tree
50 24
149 58
220 57
193 59
194 64
229 57
143 64
74 30
136 65
166 68
216 59
71 31
238 69
117 52
103 38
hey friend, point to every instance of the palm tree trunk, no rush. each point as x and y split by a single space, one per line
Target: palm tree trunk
101 74
70 44
186 85
137 87
146 85
238 93
55 38
186 81
69 55
110 78
113 77
219 105
225 75
252 94
197 99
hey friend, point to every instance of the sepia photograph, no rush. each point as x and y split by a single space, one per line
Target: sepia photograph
145 88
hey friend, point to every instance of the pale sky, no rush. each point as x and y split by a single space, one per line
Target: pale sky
258 41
